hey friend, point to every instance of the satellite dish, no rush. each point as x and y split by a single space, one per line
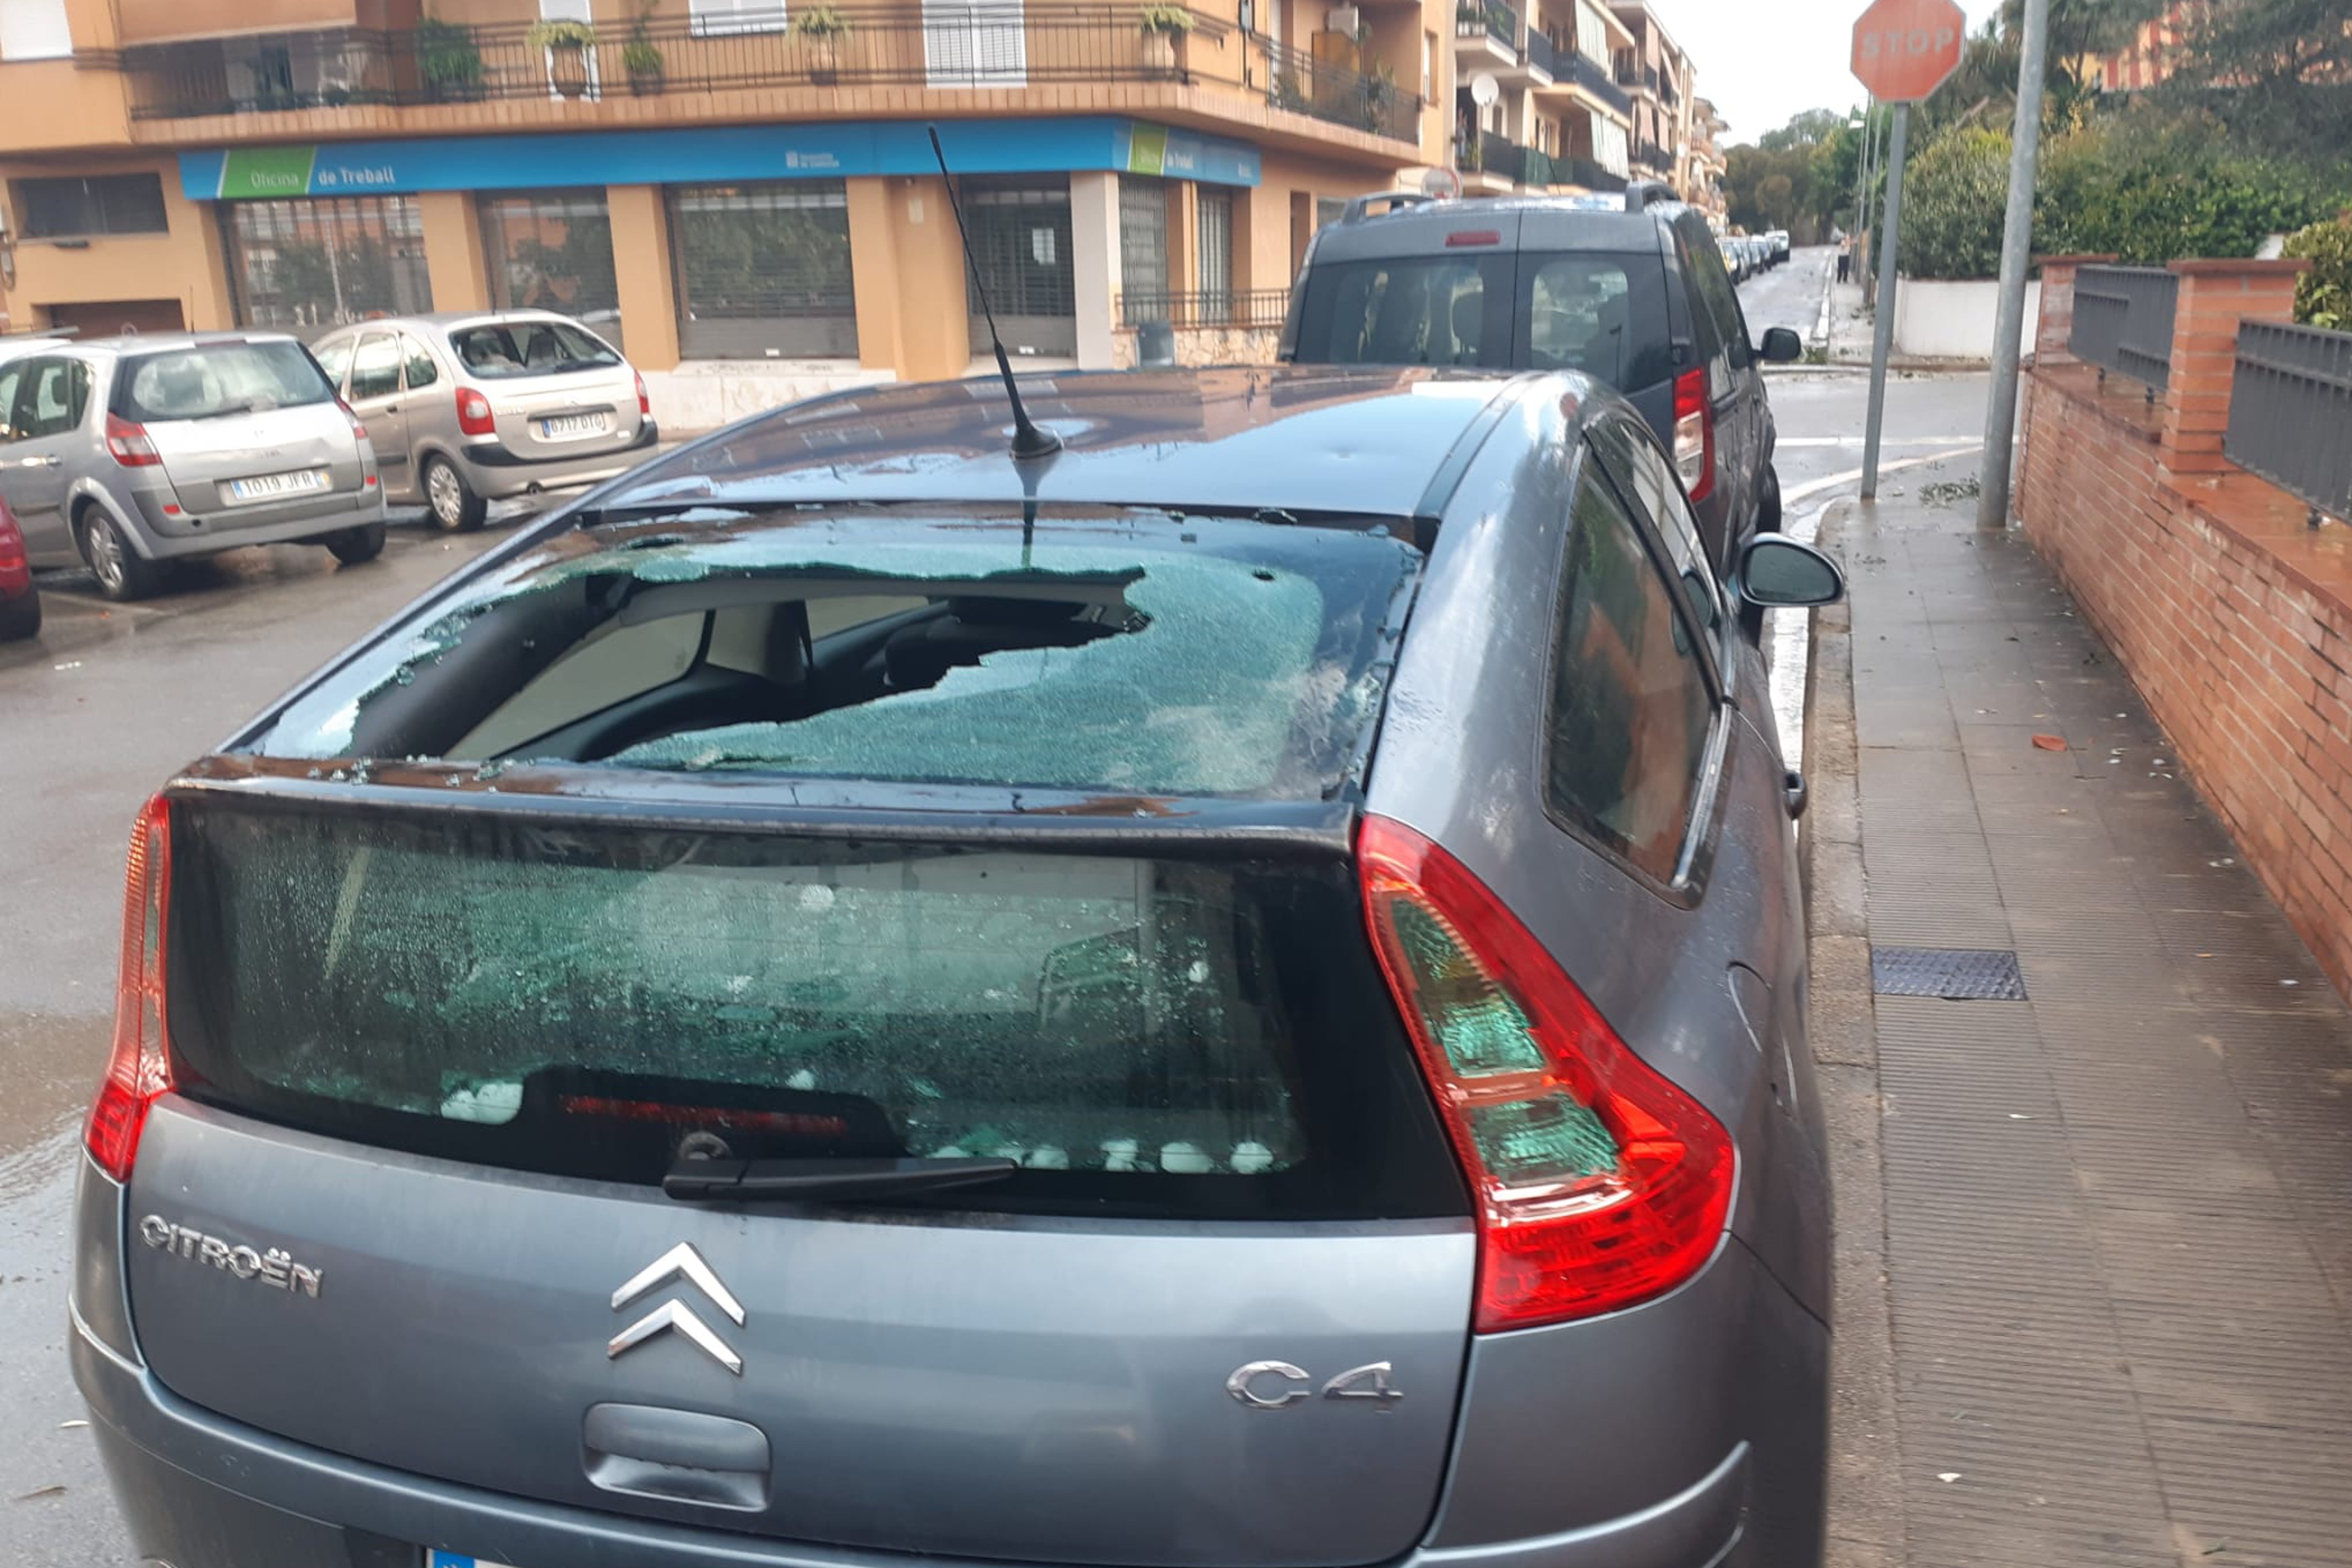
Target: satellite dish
1484 90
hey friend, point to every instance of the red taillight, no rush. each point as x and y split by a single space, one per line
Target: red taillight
12 540
139 1069
129 444
474 412
645 404
359 425
1600 1184
1695 433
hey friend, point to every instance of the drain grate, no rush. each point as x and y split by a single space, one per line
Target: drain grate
1953 974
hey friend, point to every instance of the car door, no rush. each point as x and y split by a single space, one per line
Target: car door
50 399
373 391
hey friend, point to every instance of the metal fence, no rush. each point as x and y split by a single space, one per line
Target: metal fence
1242 308
1492 18
2123 322
1521 165
2290 412
1544 55
1593 78
1299 82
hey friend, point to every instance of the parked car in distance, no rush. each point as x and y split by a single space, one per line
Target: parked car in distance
1735 257
1637 297
128 453
1231 999
1779 241
20 601
471 408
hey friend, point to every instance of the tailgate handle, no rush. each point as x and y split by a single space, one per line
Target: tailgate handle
647 1450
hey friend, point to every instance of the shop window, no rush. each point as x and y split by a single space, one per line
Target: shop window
327 261
764 269
1021 249
552 250
1212 229
1142 250
712 19
74 208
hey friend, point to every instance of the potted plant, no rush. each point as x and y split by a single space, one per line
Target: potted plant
1380 98
822 27
567 44
448 60
640 57
1163 29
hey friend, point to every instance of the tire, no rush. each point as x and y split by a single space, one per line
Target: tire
353 545
1767 508
452 501
20 617
122 573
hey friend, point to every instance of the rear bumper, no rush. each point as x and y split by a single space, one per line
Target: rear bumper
162 538
496 473
202 1491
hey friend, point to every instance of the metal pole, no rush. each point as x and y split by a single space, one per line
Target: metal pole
2016 251
1882 334
1862 192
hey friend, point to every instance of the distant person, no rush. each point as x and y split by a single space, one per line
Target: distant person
1845 258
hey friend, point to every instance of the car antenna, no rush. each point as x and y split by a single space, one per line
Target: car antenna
1028 441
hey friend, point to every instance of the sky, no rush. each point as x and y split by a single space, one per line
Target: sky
1762 61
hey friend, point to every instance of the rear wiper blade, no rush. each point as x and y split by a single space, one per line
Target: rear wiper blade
822 1181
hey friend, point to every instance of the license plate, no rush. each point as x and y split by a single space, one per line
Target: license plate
268 486
570 426
454 1560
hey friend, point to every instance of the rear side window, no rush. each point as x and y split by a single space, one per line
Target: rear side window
1717 300
421 369
376 368
1645 477
1190 1038
217 378
50 399
1631 708
529 348
1602 314
335 358
1409 309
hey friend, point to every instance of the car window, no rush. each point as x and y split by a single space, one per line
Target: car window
1409 309
1646 480
499 349
1712 286
1631 707
218 378
421 371
375 367
335 358
50 399
1599 313
12 377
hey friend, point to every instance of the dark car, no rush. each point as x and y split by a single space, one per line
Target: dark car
20 602
1233 997
1631 293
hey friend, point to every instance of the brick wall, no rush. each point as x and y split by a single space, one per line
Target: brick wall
2232 616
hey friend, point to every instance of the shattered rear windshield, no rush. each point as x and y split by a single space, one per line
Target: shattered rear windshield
1116 651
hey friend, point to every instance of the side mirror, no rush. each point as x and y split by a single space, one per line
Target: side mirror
1782 345
1778 574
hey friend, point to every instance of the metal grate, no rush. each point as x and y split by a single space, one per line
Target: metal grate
1143 236
326 261
765 268
2290 405
552 250
1952 974
2123 322
1021 248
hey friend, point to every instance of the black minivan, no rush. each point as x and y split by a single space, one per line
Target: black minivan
1632 292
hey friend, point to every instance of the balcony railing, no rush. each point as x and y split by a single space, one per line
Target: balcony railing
2123 322
1491 18
1544 55
1520 165
1650 155
979 43
1248 309
1593 78
1591 176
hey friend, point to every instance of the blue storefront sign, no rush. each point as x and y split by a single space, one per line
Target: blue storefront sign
802 151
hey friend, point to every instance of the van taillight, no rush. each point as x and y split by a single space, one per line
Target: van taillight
139 1069
129 444
645 404
1695 433
474 412
1600 1184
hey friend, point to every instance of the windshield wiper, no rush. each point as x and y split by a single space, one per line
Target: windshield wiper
822 1181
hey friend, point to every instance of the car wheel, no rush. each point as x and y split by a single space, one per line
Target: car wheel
455 505
353 545
121 572
20 617
1767 510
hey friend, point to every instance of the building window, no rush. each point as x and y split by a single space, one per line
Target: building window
1021 250
326 261
1142 250
552 250
763 270
1329 210
975 43
107 203
1428 67
711 18
1213 230
34 30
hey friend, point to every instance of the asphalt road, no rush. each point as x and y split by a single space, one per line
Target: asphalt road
110 700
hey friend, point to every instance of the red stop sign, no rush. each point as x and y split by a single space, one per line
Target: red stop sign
1903 49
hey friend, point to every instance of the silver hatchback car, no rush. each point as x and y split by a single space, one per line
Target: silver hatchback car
129 453
466 408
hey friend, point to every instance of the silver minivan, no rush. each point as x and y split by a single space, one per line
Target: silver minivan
126 454
466 408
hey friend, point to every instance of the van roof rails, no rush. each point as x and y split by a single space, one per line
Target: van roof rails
1642 194
1360 207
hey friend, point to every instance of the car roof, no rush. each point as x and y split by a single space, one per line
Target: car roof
1552 222
1366 441
445 320
150 343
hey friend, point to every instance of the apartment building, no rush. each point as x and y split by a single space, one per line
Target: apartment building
1657 74
740 192
1708 164
1536 106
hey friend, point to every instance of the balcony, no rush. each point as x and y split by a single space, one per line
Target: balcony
1591 176
1593 78
982 44
1505 163
1656 159
1487 27
1545 58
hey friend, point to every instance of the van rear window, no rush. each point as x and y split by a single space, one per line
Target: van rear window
1151 1037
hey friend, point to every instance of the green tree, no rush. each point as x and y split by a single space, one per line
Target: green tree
1805 130
2151 187
2277 74
1955 195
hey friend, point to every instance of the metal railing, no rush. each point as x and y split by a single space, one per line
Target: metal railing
2290 407
1299 82
1491 18
2123 322
1253 309
1543 54
1594 79
1652 157
1591 176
